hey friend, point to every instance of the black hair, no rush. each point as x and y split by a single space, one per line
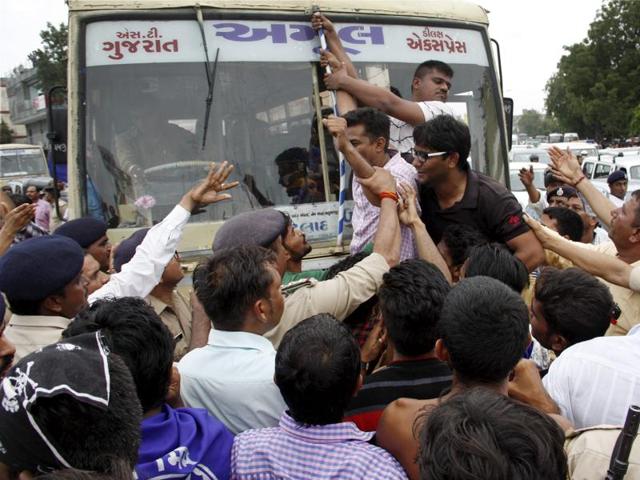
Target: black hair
119 471
570 223
19 199
361 315
484 325
411 297
444 133
429 65
574 303
317 370
135 332
231 281
495 260
376 124
90 437
459 238
482 434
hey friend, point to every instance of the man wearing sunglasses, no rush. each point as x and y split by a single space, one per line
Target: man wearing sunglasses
451 193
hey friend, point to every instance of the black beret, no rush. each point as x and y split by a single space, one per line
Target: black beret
258 227
564 191
617 176
126 249
36 268
84 230
549 178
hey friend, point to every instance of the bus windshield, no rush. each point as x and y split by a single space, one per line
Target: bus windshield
146 88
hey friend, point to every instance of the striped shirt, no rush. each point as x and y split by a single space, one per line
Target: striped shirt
401 133
295 451
366 216
420 379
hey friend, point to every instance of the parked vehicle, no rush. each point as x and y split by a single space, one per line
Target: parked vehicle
23 165
517 188
525 155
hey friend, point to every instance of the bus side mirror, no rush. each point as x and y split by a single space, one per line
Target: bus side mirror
508 117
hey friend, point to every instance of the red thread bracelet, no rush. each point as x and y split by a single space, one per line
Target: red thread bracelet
579 180
392 195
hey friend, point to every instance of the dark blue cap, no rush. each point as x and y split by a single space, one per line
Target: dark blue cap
85 231
36 268
126 249
617 176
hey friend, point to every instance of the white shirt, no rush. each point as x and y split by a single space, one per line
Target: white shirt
232 377
595 382
143 272
401 133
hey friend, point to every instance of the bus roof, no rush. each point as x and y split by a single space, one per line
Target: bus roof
441 9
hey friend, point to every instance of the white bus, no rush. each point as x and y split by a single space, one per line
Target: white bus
139 81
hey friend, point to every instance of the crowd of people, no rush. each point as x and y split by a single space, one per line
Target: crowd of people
460 339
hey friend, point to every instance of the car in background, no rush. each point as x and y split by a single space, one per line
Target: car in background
23 165
525 155
518 189
599 171
577 148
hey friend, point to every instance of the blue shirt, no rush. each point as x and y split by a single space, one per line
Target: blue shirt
294 451
232 377
184 443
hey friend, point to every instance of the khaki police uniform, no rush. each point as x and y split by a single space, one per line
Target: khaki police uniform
30 332
177 318
339 296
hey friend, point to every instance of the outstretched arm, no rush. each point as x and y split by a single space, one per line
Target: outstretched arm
138 277
318 21
565 166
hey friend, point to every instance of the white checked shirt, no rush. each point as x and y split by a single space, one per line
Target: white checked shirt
595 382
401 133
366 216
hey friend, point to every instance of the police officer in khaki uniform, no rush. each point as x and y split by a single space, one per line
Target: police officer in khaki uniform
341 295
172 305
44 286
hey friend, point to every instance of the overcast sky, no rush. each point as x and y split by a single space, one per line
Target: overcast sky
531 36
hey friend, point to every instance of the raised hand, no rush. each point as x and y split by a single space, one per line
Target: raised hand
337 126
18 218
526 176
565 166
407 210
380 181
318 21
208 191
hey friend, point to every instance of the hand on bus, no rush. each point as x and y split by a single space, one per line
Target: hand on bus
208 191
328 58
318 21
565 166
333 81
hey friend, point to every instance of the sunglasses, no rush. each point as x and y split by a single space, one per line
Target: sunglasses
424 156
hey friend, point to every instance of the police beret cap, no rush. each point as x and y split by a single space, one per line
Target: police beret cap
126 249
617 176
258 227
85 231
36 268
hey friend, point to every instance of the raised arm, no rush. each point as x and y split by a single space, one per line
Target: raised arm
427 250
376 97
140 275
13 221
599 264
526 177
337 126
318 21
565 166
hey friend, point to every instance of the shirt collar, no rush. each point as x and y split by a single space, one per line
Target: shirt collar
39 321
239 339
332 433
158 305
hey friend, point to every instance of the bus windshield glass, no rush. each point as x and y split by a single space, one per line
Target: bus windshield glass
146 89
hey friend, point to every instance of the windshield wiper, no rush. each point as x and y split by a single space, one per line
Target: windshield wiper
211 74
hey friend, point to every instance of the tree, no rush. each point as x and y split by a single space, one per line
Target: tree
6 133
535 123
51 59
597 84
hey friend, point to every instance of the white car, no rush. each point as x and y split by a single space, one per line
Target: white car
598 172
518 189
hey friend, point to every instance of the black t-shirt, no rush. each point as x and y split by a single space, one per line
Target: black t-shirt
486 205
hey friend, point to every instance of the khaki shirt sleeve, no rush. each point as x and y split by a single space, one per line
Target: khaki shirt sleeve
339 296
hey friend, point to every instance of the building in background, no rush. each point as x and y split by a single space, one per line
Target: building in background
19 132
27 105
